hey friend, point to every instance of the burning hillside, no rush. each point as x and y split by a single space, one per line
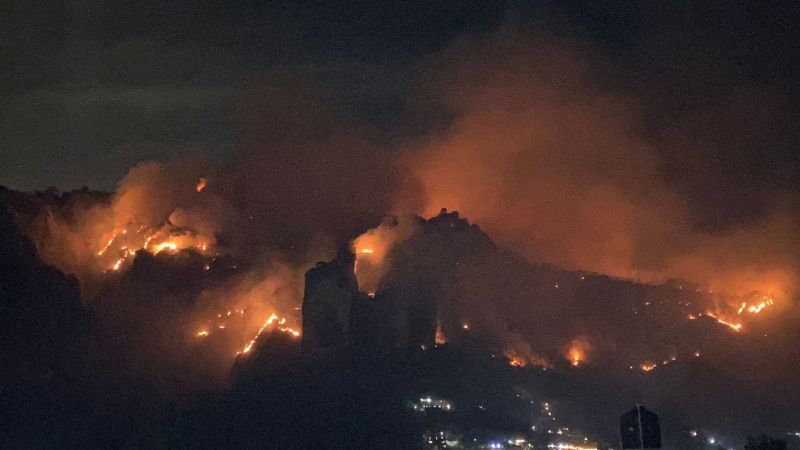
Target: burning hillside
417 276
311 215
182 303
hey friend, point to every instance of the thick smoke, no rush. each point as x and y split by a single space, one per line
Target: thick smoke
554 163
160 263
550 161
373 247
156 207
620 339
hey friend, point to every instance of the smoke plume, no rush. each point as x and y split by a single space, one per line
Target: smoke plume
554 163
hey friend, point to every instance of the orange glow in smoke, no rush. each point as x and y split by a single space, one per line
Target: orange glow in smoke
647 366
521 355
577 351
440 337
201 184
575 356
372 248
124 244
269 321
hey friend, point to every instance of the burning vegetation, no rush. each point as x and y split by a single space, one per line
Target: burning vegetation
171 286
430 282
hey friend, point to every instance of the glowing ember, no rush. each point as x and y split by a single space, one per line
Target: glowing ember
201 184
578 350
647 366
575 356
440 337
202 333
517 361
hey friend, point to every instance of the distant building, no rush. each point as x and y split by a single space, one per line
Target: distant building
433 404
440 440
639 429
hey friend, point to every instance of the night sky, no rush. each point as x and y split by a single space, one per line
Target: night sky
91 88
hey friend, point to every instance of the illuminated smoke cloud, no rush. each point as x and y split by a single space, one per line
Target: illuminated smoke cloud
557 166
372 249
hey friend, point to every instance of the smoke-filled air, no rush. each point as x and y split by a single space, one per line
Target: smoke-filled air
537 204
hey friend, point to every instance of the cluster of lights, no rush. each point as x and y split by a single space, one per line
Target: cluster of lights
426 403
567 446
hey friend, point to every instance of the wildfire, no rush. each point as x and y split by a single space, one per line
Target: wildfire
756 307
577 351
372 248
522 355
647 366
753 304
270 320
575 357
516 361
171 246
440 337
124 244
107 246
733 326
266 323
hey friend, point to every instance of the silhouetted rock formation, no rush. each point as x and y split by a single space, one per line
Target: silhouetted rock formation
42 325
415 287
403 313
330 290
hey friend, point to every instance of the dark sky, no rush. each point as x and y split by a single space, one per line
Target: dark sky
89 88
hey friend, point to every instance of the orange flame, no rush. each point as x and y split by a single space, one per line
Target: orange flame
440 337
577 352
647 366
